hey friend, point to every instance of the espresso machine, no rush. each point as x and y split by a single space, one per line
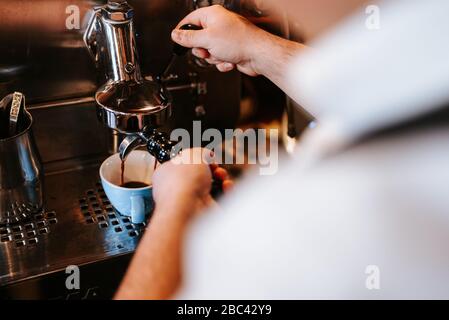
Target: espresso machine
88 88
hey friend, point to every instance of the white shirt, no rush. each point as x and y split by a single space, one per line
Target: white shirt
369 222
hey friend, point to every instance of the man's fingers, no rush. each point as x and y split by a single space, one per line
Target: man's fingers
201 53
190 38
213 60
221 65
221 174
225 67
228 185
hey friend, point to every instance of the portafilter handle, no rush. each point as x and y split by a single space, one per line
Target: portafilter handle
157 144
162 148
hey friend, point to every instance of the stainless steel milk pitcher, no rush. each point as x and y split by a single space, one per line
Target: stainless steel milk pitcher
21 171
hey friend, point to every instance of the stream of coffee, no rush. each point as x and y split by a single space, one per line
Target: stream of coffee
122 176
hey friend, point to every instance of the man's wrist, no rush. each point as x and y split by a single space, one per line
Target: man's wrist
272 54
258 51
182 207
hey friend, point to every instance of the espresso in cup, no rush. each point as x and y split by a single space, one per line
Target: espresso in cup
134 185
130 190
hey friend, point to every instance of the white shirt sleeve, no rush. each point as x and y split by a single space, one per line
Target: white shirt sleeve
370 223
358 226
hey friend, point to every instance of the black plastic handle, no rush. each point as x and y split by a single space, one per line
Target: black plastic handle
180 50
217 188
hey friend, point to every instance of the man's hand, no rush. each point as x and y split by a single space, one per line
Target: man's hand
227 39
230 41
187 180
181 188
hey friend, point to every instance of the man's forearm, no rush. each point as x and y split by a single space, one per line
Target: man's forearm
155 271
272 57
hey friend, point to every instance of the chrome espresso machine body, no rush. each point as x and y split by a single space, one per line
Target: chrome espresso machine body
65 92
127 102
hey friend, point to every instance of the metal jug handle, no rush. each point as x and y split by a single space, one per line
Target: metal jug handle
18 100
90 36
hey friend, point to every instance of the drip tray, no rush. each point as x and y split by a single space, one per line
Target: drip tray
28 233
79 228
97 209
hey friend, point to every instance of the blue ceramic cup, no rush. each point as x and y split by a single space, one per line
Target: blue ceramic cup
136 204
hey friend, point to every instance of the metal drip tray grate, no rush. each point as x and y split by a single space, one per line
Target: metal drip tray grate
83 230
29 232
18 213
97 209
